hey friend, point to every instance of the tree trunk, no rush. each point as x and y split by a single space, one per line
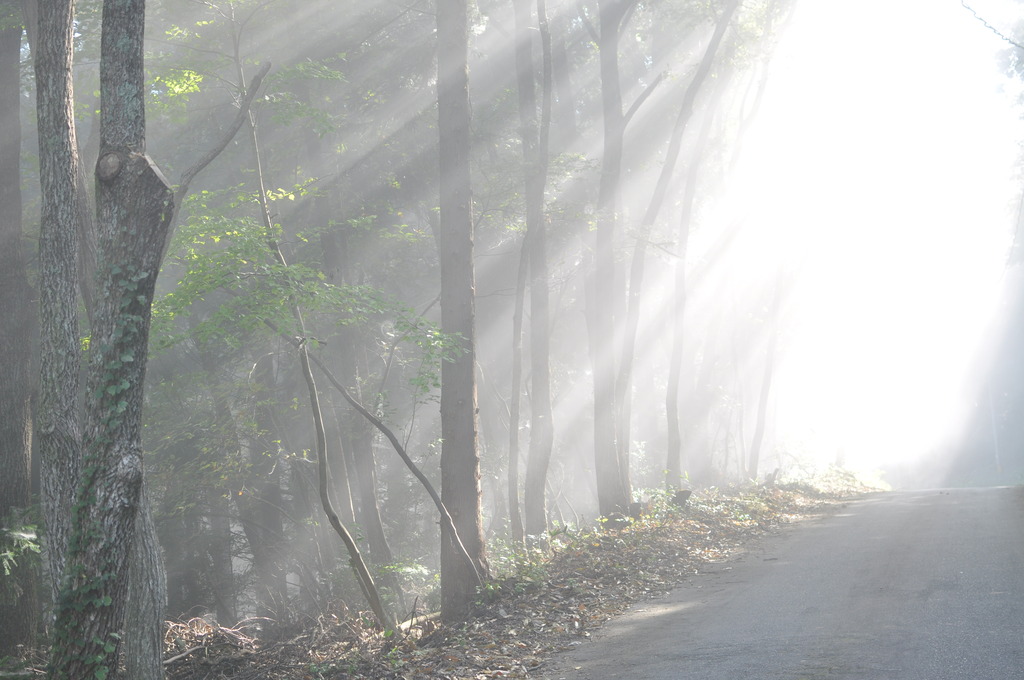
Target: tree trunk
362 572
339 454
182 538
699 404
19 605
218 495
350 351
535 170
222 576
766 380
57 426
147 596
637 267
564 116
604 289
514 514
259 502
677 313
366 473
342 466
447 525
460 459
134 204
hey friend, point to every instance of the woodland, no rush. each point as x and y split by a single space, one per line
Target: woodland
439 282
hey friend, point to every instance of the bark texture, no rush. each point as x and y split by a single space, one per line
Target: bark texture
134 204
57 423
147 600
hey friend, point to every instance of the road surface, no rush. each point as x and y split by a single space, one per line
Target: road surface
925 585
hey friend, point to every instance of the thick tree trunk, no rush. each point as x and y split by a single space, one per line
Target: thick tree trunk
57 425
19 606
147 596
460 459
134 207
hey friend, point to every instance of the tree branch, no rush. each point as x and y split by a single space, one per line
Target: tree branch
639 101
243 114
585 20
990 27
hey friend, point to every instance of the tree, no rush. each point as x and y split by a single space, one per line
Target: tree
67 251
18 601
604 292
359 153
57 423
770 359
460 460
515 515
358 441
134 207
637 266
535 152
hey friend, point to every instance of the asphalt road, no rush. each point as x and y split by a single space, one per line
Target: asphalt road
924 585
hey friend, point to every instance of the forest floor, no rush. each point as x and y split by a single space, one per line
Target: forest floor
551 602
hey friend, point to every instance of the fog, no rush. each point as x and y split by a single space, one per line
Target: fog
830 278
885 164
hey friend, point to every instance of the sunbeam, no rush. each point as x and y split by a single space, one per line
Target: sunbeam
889 174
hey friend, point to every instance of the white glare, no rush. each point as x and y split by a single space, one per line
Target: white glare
884 161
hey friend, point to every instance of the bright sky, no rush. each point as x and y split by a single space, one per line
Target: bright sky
886 151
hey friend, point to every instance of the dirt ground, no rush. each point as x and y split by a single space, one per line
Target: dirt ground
521 621
553 602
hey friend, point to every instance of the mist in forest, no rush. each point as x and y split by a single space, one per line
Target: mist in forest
891 169
766 240
847 193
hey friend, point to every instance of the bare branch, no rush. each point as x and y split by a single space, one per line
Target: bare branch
585 20
648 91
990 27
229 134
